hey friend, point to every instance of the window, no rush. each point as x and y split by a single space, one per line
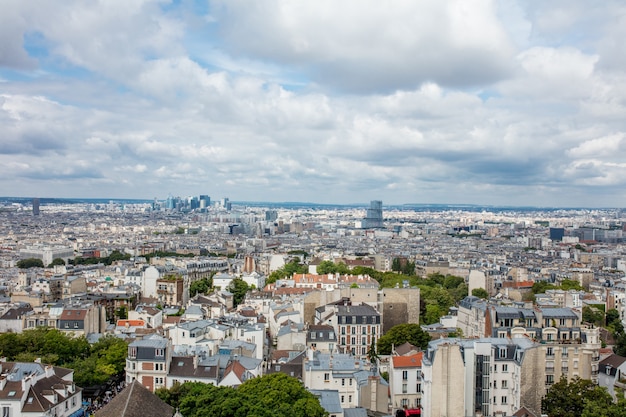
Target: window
66 326
405 375
550 351
504 400
327 377
350 398
312 335
495 384
6 411
504 383
159 352
404 388
505 368
76 325
502 353
418 388
343 398
132 352
343 382
158 367
549 379
363 330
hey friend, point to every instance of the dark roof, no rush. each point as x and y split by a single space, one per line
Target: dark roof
16 313
136 401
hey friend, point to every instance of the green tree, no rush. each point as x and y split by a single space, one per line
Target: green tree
270 395
56 261
396 265
620 343
238 287
480 293
30 263
198 287
605 408
568 284
612 316
540 287
593 315
570 399
402 333
122 313
433 313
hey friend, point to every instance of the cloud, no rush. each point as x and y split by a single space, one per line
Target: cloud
497 103
365 46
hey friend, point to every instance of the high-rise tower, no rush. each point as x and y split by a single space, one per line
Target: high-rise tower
374 217
35 207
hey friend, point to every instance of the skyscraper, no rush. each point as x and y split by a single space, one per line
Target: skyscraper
374 217
35 207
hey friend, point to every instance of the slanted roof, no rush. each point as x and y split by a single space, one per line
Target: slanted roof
136 401
413 361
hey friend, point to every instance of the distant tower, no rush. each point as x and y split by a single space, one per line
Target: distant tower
35 207
374 217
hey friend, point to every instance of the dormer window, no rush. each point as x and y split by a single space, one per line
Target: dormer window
11 393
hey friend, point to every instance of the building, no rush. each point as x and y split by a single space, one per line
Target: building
35 207
374 217
171 291
47 253
355 382
405 381
148 362
357 326
35 389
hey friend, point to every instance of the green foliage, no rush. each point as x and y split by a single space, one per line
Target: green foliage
161 254
403 266
202 286
385 376
593 315
290 268
568 284
270 395
92 365
575 398
540 287
238 287
402 333
56 261
115 256
305 254
620 343
612 317
480 293
30 263
329 267
122 313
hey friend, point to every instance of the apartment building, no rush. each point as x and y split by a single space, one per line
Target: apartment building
35 389
148 361
405 381
357 326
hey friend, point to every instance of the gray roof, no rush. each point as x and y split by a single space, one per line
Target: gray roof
564 313
329 400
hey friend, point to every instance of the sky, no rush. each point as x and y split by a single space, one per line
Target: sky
329 101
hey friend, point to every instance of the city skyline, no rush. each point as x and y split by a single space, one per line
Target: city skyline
491 103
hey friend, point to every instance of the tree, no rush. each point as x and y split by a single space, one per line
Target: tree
329 267
30 263
402 333
270 395
433 313
238 287
571 399
593 315
611 317
56 261
480 293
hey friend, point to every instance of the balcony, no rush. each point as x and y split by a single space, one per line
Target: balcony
564 369
594 373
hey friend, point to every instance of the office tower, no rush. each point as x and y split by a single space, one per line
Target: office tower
374 217
35 207
205 201
271 215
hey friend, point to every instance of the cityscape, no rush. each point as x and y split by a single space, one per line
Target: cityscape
508 300
333 208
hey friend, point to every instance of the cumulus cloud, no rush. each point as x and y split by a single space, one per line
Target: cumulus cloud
430 101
